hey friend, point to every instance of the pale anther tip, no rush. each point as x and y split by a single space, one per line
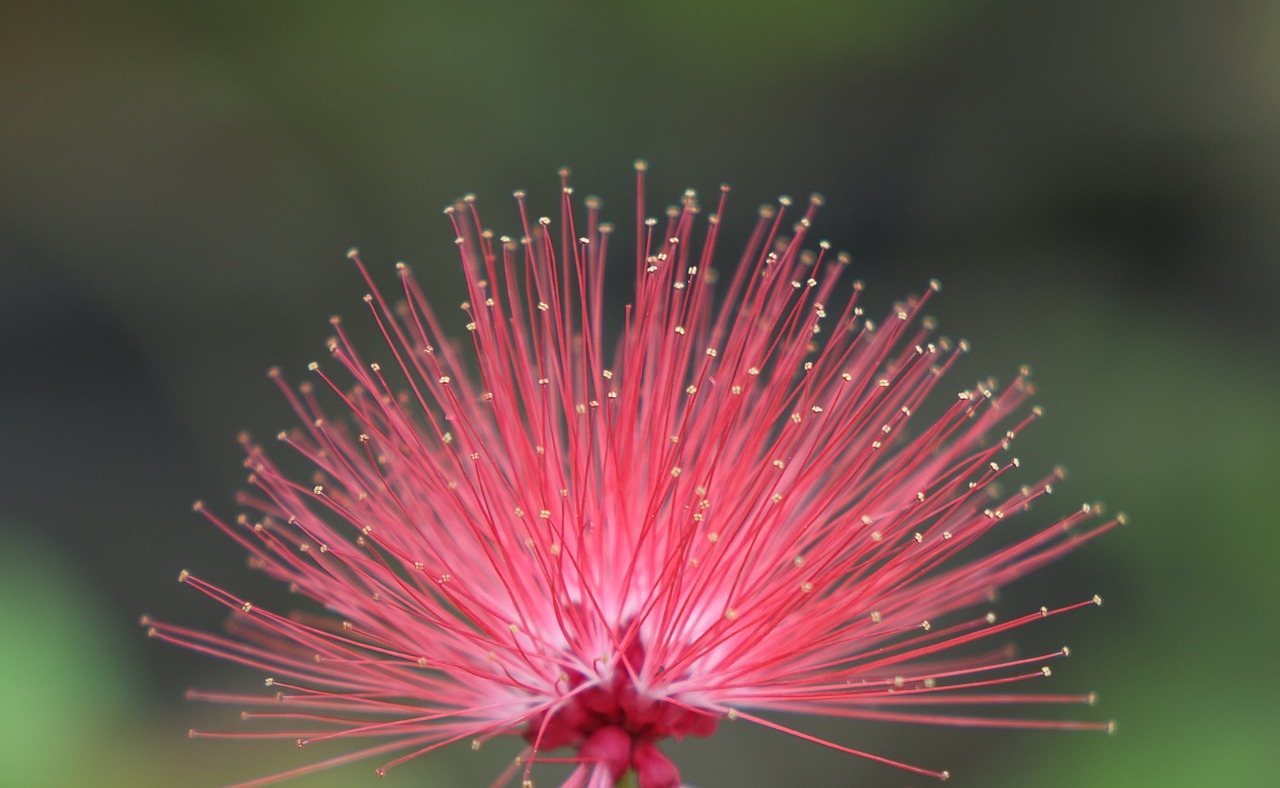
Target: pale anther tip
353 253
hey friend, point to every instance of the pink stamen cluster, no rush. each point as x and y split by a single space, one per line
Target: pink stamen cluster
728 512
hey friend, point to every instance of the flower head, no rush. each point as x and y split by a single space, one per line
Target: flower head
730 511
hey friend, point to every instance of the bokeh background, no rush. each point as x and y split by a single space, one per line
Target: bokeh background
1097 183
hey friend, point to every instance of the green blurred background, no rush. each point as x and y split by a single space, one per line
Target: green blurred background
1096 183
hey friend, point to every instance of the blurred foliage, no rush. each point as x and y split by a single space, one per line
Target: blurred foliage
1094 182
64 677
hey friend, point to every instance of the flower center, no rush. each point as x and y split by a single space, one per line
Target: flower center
616 724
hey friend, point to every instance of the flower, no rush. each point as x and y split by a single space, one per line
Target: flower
727 513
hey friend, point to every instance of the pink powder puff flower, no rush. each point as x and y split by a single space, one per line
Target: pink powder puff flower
729 513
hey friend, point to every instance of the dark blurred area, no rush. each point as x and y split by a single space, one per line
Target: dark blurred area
1097 184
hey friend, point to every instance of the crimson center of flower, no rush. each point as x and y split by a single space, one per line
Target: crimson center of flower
614 723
